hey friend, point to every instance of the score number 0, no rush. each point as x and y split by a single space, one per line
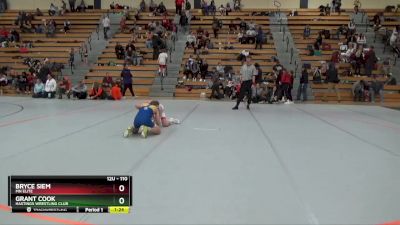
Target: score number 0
121 200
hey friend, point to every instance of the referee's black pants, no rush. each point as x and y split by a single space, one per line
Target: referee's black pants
245 88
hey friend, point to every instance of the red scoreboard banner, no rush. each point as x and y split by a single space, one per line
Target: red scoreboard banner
74 194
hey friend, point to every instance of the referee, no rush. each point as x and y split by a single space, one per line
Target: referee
247 77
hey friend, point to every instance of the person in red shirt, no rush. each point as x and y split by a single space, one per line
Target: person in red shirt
64 87
4 32
178 6
286 80
115 93
97 92
166 23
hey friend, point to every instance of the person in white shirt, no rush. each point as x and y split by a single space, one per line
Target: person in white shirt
361 40
106 25
50 87
191 40
162 62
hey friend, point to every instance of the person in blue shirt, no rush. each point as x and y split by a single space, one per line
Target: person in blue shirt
259 37
126 76
147 120
38 90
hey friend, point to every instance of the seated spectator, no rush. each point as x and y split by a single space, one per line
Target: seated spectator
40 29
50 87
191 40
203 70
115 93
240 37
64 87
161 10
317 75
232 27
97 92
166 23
243 25
22 83
307 32
222 10
243 55
358 91
38 90
38 12
152 6
361 39
351 27
15 37
217 88
79 91
377 21
119 51
236 5
394 43
67 26
51 30
129 55
81 7
4 33
149 41
53 10
191 69
391 80
107 81
342 30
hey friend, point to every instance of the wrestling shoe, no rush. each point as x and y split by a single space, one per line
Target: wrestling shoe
144 131
128 132
174 121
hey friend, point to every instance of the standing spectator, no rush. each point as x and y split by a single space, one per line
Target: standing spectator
178 6
351 26
142 6
156 41
307 32
72 58
162 62
106 26
259 37
332 79
370 61
52 10
38 12
376 87
286 80
357 90
126 76
38 90
79 91
357 5
302 90
72 5
248 73
50 87
215 26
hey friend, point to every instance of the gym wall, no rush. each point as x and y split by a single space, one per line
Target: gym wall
256 4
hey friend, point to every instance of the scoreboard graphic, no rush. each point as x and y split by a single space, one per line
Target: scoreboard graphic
70 194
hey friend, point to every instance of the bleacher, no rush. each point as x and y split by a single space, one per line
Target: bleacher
332 22
55 48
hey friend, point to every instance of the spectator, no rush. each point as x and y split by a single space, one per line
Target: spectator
126 76
370 61
15 37
81 7
106 26
393 43
191 40
358 91
51 30
361 40
203 70
178 6
152 6
307 32
216 88
52 10
332 79
359 60
38 12
376 88
286 83
232 27
38 90
228 8
222 10
63 7
357 5
50 87
258 77
115 93
67 26
351 27
215 26
391 80
97 92
64 87
72 5
259 38
119 51
157 45
107 81
191 68
79 91
302 90
142 6
22 82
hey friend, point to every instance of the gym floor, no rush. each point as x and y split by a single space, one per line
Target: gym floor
276 164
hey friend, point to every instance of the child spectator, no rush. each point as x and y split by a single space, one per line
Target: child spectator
97 92
38 90
50 87
79 91
64 87
115 93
